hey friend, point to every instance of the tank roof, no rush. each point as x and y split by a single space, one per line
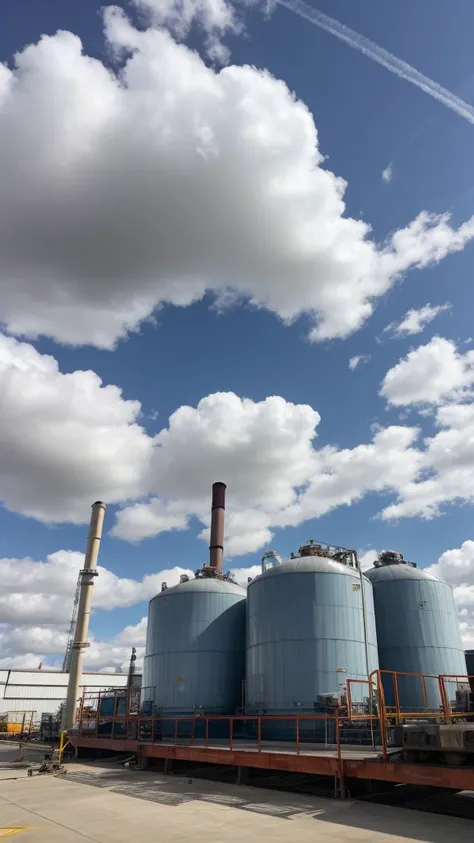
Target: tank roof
308 565
399 572
206 584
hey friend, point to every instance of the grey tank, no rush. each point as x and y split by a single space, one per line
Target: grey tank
417 631
195 648
305 634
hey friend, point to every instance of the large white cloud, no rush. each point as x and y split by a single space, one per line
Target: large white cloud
263 450
276 476
25 642
440 377
36 605
27 647
446 467
37 592
429 374
65 439
123 190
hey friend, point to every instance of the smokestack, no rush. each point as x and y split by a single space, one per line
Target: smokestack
83 612
216 548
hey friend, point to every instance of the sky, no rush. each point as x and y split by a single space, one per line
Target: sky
235 245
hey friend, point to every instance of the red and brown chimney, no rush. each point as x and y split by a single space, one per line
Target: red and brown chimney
216 547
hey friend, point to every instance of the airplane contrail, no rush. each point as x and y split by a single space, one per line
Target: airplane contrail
381 56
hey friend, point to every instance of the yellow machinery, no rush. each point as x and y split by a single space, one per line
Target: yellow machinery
17 722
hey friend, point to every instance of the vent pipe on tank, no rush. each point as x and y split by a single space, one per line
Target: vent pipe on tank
216 547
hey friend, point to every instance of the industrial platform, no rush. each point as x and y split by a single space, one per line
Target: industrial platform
341 764
347 752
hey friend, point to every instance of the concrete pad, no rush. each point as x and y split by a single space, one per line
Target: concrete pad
124 806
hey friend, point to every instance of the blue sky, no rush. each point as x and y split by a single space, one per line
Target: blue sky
367 119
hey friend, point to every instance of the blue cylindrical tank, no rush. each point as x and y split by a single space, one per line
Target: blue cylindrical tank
195 649
305 635
417 631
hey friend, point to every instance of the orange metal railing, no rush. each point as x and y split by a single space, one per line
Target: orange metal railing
376 722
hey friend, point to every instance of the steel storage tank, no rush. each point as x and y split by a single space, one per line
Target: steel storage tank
306 633
417 630
195 649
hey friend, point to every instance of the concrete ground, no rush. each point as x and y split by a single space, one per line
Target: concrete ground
103 802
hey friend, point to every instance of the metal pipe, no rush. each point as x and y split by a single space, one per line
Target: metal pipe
216 547
83 612
364 615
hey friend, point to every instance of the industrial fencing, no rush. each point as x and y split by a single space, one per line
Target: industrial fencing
446 696
372 724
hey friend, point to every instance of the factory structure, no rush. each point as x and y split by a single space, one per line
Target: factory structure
40 692
302 628
313 645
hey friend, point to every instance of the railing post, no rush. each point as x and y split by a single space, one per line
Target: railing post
382 714
207 732
231 729
97 715
259 734
81 714
340 763
444 699
423 691
193 725
297 735
176 731
349 700
397 697
127 710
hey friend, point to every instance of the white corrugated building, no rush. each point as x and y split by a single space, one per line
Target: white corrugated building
44 690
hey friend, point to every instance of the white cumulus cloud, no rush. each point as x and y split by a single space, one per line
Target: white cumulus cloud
162 179
430 374
66 439
416 320
36 605
263 450
215 18
276 476
446 467
41 592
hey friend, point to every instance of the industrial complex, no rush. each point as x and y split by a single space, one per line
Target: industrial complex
316 668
